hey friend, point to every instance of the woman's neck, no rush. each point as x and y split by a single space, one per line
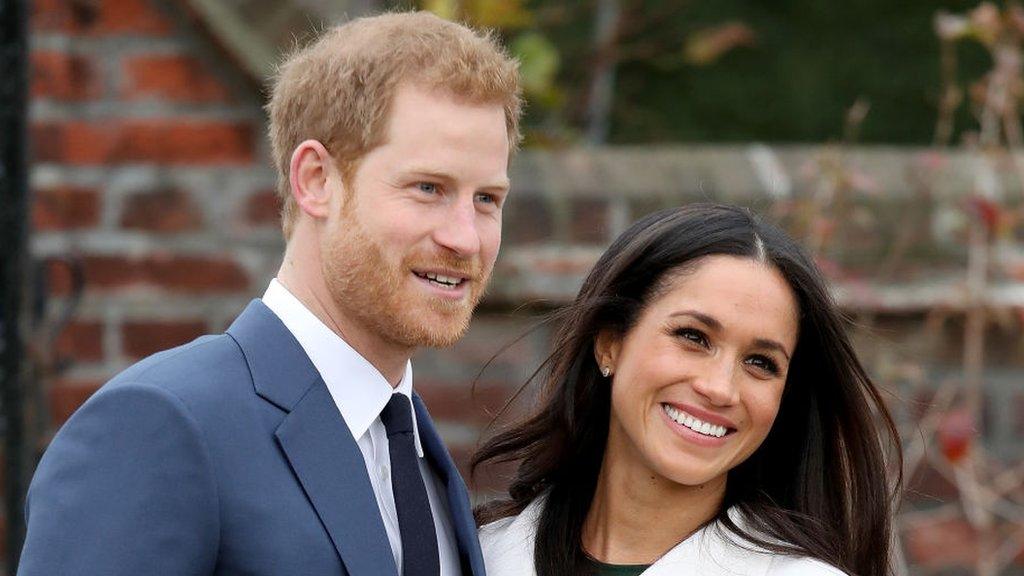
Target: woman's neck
636 516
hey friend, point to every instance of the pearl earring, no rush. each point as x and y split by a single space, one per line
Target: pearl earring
606 371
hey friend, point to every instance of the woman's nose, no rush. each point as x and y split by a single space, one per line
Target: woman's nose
717 384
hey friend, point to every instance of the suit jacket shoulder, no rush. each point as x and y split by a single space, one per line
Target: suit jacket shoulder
173 468
127 486
204 370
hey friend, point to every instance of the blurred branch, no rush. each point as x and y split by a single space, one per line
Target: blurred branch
602 72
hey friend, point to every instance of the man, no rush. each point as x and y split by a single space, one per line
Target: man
288 445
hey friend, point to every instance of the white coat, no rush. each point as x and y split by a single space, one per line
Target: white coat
711 551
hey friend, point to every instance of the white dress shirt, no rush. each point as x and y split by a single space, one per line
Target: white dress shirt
360 393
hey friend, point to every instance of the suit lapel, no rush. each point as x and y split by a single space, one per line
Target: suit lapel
458 497
315 440
330 467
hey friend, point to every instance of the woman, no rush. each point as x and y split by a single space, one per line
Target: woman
703 413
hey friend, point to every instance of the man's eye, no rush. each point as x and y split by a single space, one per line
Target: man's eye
427 187
486 198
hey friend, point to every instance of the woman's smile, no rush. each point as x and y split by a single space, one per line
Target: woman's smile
704 429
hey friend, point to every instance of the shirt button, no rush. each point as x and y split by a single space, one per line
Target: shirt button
383 471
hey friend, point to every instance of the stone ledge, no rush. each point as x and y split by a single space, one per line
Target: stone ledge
757 171
550 276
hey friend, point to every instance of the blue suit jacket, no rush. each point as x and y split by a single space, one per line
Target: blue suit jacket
225 456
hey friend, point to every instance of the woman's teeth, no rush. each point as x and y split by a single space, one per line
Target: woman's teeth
694 424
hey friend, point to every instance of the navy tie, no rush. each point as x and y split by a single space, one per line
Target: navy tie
415 522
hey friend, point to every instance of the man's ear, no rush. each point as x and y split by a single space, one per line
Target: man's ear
309 173
606 349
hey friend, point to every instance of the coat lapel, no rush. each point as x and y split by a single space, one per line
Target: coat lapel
330 467
315 440
458 497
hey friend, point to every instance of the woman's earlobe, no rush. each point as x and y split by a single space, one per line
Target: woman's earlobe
606 350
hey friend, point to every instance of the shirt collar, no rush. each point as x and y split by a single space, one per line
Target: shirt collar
359 390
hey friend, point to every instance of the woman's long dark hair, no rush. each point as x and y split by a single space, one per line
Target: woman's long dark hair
816 487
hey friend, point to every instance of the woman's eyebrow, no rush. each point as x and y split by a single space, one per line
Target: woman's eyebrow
709 321
772 345
714 324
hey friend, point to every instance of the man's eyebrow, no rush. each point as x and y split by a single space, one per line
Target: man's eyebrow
427 172
714 324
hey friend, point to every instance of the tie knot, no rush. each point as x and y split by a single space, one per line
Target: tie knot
397 415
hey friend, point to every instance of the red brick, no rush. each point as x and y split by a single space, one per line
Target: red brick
81 341
65 77
161 211
176 78
98 17
160 141
263 208
59 277
65 208
588 221
67 395
173 273
107 272
527 219
942 544
463 403
144 338
194 274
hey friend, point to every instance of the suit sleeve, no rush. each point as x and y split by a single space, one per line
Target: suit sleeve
125 488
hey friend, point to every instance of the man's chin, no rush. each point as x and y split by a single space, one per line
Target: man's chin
438 331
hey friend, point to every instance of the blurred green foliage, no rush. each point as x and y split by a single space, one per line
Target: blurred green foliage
812 60
732 70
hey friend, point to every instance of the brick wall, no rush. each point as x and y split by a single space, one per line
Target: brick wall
150 169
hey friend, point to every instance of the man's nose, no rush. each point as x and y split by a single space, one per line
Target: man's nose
457 231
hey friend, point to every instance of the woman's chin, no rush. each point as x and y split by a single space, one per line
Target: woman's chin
691 475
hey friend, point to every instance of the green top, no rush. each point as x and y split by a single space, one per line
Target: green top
602 569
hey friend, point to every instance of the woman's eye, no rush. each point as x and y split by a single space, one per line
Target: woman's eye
427 187
765 364
695 336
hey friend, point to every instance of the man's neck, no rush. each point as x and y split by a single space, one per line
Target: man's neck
310 289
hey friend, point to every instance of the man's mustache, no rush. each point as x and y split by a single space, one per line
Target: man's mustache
470 268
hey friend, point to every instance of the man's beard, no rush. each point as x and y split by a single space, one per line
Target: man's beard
380 296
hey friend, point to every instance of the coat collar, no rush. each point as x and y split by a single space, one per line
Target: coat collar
281 371
315 440
711 551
